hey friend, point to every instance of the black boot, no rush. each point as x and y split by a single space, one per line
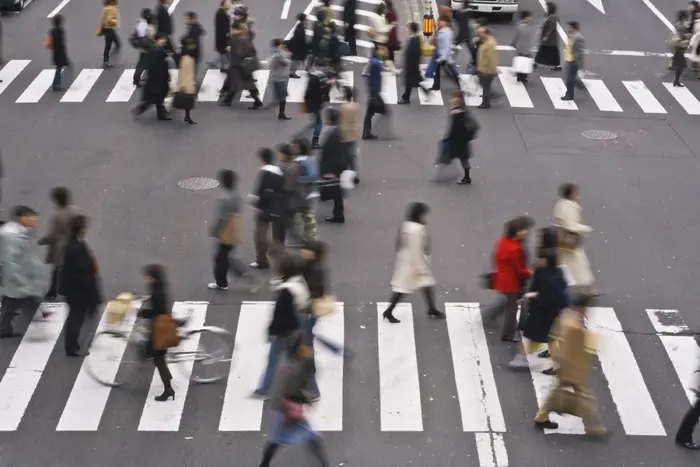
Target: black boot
281 114
167 393
314 143
268 452
466 180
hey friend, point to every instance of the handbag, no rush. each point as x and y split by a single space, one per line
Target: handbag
183 101
164 332
523 65
322 306
48 42
568 240
99 32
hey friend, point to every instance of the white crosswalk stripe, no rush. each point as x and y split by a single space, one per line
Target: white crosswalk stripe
401 402
90 82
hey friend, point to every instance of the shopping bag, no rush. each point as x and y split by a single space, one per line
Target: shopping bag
323 306
523 65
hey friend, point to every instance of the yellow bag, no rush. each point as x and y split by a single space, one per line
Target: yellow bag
323 306
118 308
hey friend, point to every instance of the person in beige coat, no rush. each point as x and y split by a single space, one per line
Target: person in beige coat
412 270
567 217
186 88
349 128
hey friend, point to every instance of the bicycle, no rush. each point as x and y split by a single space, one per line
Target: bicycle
119 351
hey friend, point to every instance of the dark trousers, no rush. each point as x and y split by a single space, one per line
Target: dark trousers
521 77
224 262
162 367
338 204
450 71
140 68
427 293
506 304
688 424
57 78
74 322
485 81
11 306
160 108
263 245
350 38
571 77
53 289
375 105
111 38
678 62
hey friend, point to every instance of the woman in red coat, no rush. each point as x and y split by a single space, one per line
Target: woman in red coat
510 271
393 45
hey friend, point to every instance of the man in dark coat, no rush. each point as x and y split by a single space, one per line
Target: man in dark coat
298 45
350 20
157 80
412 74
319 48
164 24
222 34
332 163
240 74
464 33
58 49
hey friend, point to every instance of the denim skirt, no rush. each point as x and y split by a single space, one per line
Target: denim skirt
288 435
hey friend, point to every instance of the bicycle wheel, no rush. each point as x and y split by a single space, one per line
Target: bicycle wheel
112 362
213 357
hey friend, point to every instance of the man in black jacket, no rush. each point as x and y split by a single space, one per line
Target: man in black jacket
316 94
164 24
266 200
350 20
333 162
412 74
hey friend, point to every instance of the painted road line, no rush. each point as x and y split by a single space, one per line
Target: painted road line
285 9
211 86
635 406
124 88
36 90
10 72
307 11
389 90
58 9
491 450
515 92
645 99
81 86
399 386
339 22
476 385
159 416
659 15
88 398
683 351
296 87
431 97
685 98
470 85
241 412
174 72
263 77
173 5
556 88
28 363
601 95
327 414
347 79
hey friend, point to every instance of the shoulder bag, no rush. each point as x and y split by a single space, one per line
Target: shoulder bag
164 330
322 306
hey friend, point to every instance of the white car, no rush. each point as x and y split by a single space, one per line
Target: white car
496 7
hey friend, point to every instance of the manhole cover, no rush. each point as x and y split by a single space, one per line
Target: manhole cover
198 183
599 135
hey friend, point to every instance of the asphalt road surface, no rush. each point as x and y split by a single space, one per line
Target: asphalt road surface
421 393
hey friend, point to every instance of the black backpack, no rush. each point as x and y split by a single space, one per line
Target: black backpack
135 40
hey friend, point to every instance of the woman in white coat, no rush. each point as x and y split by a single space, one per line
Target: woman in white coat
567 217
412 270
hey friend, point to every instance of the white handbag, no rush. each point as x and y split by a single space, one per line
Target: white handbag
523 65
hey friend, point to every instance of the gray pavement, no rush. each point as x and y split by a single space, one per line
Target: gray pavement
639 193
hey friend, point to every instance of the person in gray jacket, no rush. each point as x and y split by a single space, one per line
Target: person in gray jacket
522 41
24 275
280 60
226 228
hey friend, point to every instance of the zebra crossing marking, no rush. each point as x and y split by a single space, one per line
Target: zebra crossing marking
296 87
10 72
683 351
211 86
685 98
474 378
491 450
399 385
556 88
431 97
81 86
389 92
348 79
644 97
601 95
262 77
124 88
515 92
157 416
36 90
627 387
27 365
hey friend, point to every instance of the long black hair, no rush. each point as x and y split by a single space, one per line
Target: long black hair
158 286
416 211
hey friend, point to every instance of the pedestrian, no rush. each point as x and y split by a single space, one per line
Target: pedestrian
279 64
684 435
411 64
573 350
443 49
318 46
193 31
288 425
573 56
242 65
412 269
547 297
522 42
292 299
109 23
301 148
378 33
350 132
143 40
164 24
486 65
24 274
186 87
57 44
80 284
393 44
222 35
332 163
294 198
266 200
375 102
298 45
548 50
456 144
464 34
679 41
509 269
227 229
154 308
314 98
567 218
350 20
157 80
58 236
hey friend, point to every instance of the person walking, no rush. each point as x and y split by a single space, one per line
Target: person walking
57 44
298 46
143 40
411 64
375 103
679 40
350 132
109 23
279 64
222 35
393 44
573 56
443 51
58 236
412 269
456 144
350 20
186 87
24 275
242 65
164 24
80 284
157 81
486 65
266 200
522 41
332 163
548 50
226 228
684 435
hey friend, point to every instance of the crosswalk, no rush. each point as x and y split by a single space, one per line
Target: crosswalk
479 400
542 93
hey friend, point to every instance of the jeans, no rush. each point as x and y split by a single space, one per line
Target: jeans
111 37
277 347
57 77
571 77
224 262
507 304
452 73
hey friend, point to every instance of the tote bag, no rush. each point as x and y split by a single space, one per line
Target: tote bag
523 65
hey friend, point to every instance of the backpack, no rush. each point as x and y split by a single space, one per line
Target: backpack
135 40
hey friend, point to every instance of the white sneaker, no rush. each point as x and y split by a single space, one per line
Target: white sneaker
519 361
213 286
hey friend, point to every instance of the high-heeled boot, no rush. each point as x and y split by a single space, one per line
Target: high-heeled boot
168 393
387 315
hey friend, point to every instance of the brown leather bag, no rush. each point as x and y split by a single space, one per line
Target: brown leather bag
164 330
230 233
